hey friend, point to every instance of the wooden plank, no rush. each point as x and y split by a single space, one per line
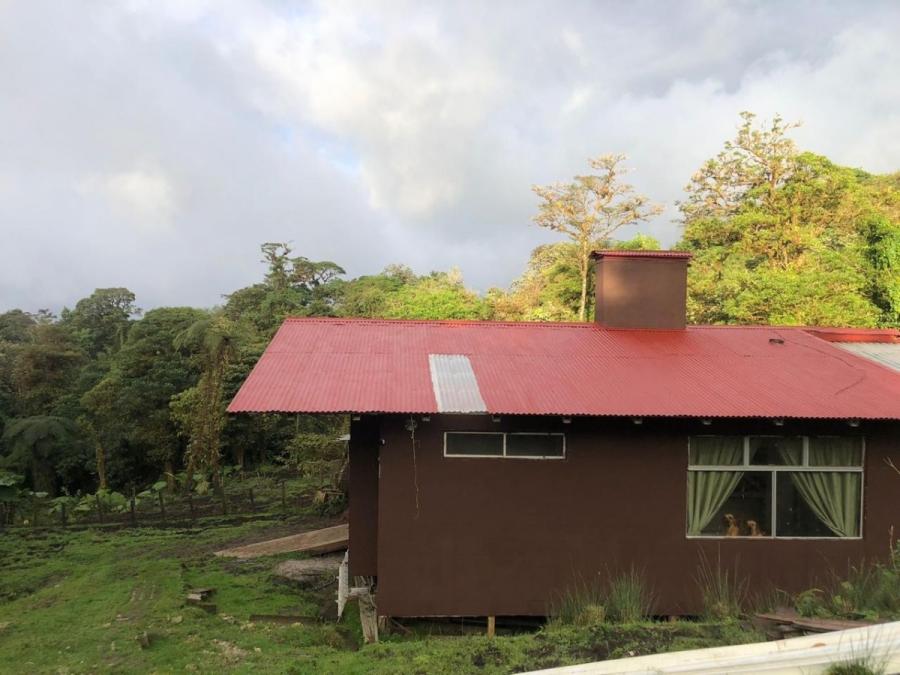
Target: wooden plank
793 620
368 616
326 540
343 584
491 626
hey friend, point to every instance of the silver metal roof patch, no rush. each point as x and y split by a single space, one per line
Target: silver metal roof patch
455 386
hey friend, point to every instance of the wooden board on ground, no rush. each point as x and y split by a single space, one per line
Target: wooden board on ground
327 540
793 620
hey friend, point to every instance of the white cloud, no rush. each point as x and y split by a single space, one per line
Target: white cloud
144 197
158 143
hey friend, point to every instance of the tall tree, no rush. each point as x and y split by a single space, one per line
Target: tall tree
293 285
35 444
785 237
200 411
591 209
129 407
748 171
100 321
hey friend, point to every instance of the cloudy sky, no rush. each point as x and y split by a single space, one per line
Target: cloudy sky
155 144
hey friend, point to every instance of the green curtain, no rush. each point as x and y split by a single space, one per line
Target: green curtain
709 490
832 495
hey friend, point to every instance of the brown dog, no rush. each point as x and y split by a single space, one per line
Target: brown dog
754 529
731 529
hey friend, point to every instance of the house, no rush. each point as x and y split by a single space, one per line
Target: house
494 465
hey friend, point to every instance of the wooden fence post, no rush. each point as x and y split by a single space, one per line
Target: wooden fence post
62 514
162 505
99 507
133 513
283 497
252 502
190 499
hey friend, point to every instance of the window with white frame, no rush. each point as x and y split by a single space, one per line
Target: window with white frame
775 486
521 445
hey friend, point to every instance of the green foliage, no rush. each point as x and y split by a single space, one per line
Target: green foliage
34 444
10 486
788 238
100 322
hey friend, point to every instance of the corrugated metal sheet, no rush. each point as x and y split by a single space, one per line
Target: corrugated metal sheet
883 353
346 365
455 387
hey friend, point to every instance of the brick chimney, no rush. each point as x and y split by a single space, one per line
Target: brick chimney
641 289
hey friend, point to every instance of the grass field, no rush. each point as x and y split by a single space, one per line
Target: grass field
113 601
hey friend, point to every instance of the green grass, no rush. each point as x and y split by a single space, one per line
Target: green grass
83 601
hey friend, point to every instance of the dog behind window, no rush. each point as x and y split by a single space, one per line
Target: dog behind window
731 526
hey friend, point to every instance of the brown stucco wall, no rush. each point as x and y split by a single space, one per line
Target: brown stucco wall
502 536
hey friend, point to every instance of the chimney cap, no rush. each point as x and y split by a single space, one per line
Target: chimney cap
622 253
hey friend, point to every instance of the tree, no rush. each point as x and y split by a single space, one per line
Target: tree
200 411
749 169
590 209
782 237
44 369
129 407
293 286
100 322
35 443
15 326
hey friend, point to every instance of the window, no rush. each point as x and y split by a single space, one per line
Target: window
775 486
520 445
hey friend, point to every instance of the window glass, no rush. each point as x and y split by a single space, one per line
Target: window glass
835 451
794 517
717 450
776 450
488 445
534 445
729 503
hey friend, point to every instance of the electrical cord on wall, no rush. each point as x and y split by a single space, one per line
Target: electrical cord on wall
411 427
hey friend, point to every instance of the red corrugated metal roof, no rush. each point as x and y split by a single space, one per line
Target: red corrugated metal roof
321 365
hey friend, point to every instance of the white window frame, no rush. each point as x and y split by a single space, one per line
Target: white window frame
774 469
505 434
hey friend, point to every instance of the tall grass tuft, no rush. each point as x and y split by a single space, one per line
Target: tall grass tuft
628 597
581 604
621 598
724 591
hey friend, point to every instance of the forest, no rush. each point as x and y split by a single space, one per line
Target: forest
104 399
